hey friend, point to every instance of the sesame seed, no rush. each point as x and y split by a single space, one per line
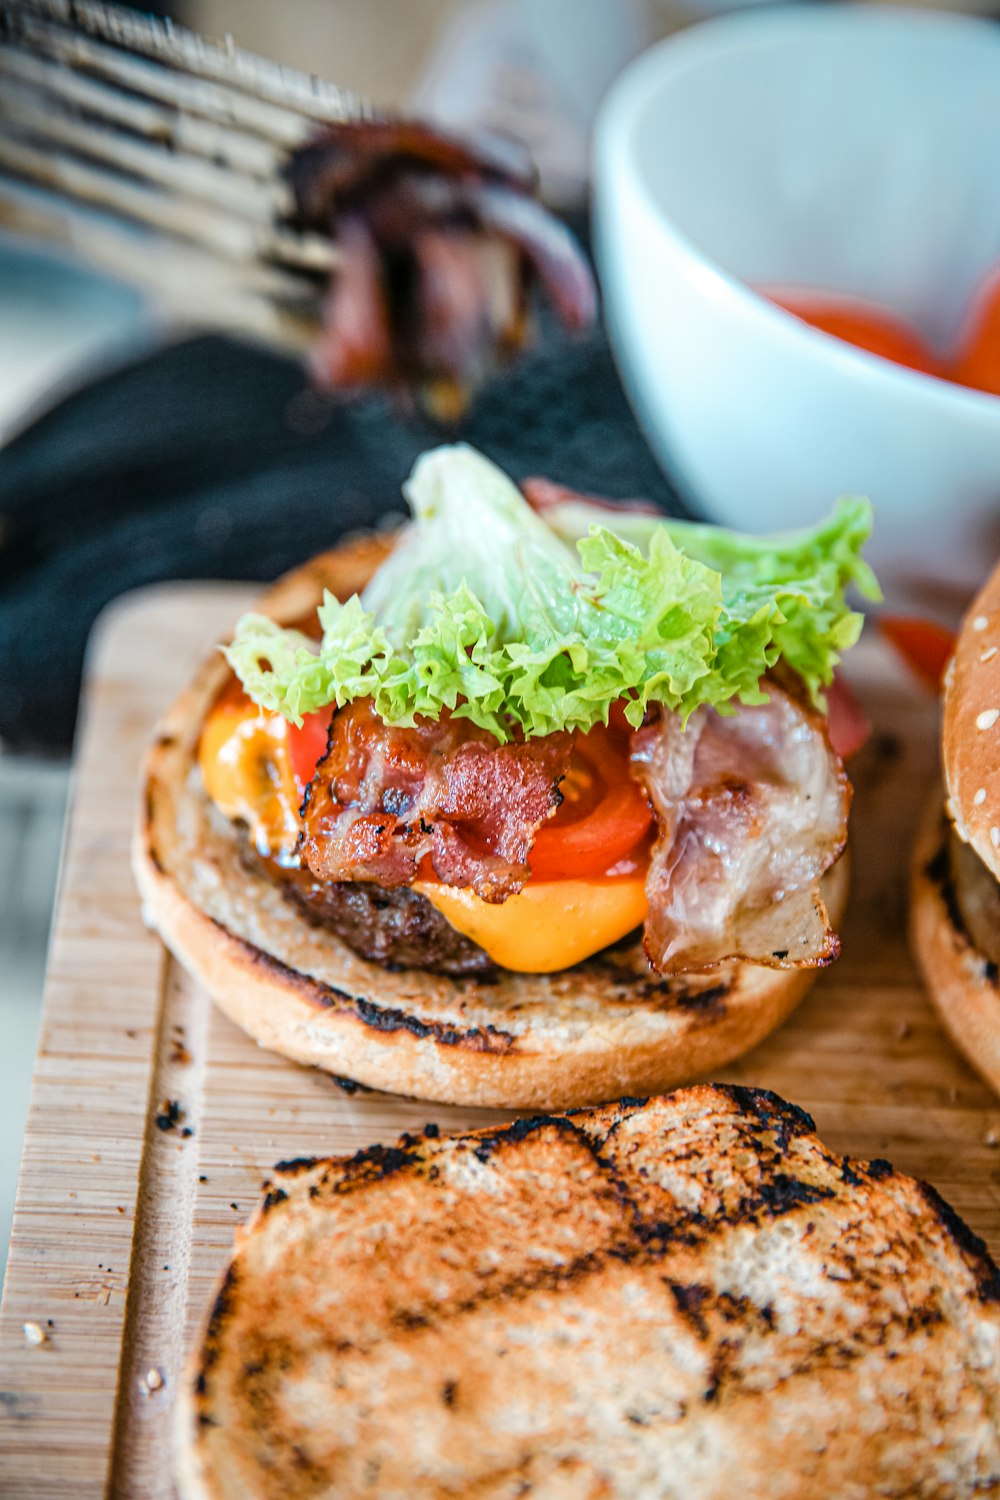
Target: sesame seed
154 1379
980 797
988 718
989 653
34 1334
995 836
980 622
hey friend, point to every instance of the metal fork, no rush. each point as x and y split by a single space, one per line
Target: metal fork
158 155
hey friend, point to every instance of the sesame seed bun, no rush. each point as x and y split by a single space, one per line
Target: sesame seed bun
971 744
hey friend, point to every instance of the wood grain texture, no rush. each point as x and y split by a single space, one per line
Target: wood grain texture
121 1226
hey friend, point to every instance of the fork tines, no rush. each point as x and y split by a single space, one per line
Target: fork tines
160 155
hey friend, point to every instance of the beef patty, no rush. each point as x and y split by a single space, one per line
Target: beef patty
977 895
398 928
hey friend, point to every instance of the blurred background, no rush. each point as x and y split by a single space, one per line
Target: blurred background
135 449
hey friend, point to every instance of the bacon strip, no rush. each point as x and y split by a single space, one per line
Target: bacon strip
442 243
385 798
751 809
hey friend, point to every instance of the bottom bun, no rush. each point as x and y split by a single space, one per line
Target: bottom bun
604 1028
963 984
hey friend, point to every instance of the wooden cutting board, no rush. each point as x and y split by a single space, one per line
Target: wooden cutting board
127 1204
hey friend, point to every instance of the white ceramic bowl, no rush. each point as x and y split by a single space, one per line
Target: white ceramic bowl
847 149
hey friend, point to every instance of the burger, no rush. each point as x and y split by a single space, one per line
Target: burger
955 907
531 804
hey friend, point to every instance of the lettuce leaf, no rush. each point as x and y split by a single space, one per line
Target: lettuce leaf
523 623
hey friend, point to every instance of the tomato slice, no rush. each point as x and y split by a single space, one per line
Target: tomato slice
847 723
604 814
924 645
862 324
307 746
978 360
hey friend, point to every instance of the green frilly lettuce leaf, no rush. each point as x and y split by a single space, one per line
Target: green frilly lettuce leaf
523 623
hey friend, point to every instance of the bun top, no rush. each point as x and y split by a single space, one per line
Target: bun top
971 748
691 1285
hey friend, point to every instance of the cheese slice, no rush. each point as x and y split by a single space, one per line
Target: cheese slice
549 925
243 755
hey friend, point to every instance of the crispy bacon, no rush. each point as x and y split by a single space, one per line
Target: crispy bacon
441 243
751 810
384 799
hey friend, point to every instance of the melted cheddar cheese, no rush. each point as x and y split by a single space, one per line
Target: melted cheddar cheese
243 756
546 926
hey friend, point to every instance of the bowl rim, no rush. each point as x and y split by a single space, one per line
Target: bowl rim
648 75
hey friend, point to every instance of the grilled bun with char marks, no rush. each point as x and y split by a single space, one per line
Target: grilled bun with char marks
604 1027
685 1296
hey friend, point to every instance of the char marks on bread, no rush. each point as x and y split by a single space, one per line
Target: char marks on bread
684 1296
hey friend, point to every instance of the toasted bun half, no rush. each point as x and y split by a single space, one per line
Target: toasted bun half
684 1296
603 1028
971 739
963 984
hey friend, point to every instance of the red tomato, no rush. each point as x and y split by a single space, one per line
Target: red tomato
603 815
847 723
862 324
307 746
978 360
923 644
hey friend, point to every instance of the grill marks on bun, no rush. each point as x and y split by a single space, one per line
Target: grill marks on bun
680 1296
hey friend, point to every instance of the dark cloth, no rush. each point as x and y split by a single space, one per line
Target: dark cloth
211 459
